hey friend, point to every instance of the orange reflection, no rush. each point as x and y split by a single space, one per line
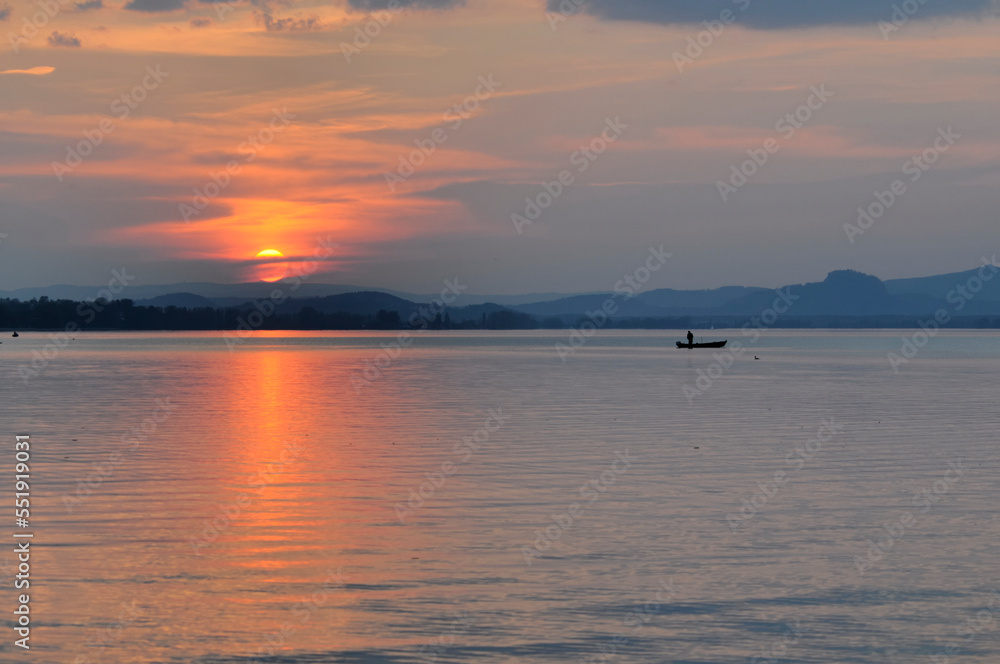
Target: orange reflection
273 450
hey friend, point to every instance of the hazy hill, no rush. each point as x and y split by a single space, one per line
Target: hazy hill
668 298
842 293
221 295
369 303
940 285
187 300
654 304
365 303
231 295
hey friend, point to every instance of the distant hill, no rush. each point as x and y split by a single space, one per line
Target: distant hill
188 300
220 294
656 303
230 295
846 298
566 306
369 303
365 303
668 298
844 293
940 285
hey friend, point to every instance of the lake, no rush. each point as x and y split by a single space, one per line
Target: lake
307 497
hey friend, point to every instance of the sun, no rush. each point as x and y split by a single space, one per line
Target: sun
268 269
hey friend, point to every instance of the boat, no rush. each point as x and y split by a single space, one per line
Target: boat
710 344
15 334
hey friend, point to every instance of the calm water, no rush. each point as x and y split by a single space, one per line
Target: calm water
306 468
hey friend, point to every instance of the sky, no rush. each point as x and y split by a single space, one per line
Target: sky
517 145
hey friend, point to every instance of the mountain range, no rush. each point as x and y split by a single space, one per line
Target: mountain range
844 293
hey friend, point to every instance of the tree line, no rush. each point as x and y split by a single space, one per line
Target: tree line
46 314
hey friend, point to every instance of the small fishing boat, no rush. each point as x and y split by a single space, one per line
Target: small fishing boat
15 334
710 344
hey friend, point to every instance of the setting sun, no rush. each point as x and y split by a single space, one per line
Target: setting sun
268 270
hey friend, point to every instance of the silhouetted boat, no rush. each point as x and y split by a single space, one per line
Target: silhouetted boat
711 344
15 335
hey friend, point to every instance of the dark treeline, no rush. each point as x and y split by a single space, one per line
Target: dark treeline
45 314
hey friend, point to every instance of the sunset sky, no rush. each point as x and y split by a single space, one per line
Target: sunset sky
313 122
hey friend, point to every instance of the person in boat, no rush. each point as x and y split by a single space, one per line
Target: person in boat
690 338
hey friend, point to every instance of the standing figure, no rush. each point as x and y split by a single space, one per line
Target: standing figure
690 338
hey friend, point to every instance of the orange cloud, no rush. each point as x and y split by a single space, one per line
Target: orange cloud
34 71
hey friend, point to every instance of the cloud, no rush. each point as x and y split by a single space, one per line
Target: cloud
201 22
154 6
4 12
89 4
59 39
34 71
765 14
272 24
371 5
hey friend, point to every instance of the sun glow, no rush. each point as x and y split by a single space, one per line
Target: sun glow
269 270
